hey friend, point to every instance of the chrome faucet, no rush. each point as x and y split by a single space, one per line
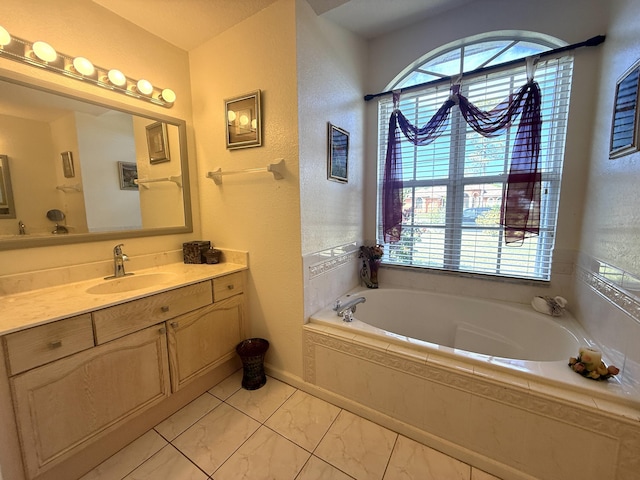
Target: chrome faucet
118 261
347 309
21 228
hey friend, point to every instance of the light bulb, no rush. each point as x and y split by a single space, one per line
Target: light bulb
244 120
83 66
144 87
231 115
44 51
5 38
168 95
254 123
117 78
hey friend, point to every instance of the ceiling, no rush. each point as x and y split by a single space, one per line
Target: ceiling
199 20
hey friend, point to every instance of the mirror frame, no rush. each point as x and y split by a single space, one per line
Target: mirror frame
7 191
21 242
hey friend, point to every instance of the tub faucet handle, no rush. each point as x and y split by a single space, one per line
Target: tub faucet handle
347 316
337 305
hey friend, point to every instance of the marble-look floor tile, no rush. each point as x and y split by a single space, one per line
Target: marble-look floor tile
228 386
303 419
187 416
262 403
317 469
265 456
168 463
129 458
213 438
357 446
413 461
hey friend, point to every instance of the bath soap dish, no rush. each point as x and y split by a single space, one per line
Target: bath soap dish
589 364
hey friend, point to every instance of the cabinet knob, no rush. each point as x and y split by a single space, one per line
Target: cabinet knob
230 287
55 344
164 308
174 324
162 331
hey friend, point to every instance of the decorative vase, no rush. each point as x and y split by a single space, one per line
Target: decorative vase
369 272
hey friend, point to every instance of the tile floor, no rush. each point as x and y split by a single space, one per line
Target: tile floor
275 432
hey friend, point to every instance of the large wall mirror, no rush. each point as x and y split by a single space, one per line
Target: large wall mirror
81 171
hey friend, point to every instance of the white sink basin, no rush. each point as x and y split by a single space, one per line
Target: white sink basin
130 283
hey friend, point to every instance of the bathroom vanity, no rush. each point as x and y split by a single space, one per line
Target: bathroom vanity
88 368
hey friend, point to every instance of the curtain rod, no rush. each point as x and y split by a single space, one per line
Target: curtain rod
592 42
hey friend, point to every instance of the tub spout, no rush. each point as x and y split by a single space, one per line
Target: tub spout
347 309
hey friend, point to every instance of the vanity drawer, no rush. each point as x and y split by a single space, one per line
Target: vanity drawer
39 345
119 320
227 286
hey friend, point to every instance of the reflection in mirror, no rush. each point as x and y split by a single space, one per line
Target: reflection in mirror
7 209
67 156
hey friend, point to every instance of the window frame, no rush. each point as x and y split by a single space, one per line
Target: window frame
454 226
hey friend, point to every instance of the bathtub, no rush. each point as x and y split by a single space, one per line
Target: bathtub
483 381
469 327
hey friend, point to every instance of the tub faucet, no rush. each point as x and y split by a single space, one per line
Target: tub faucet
118 261
347 309
21 228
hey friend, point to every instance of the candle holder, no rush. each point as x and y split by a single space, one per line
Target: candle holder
589 364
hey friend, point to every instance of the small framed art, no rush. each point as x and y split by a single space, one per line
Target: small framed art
624 125
158 143
243 119
67 164
338 154
128 174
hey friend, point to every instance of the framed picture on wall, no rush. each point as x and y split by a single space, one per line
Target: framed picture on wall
624 126
67 164
338 154
128 174
158 143
243 120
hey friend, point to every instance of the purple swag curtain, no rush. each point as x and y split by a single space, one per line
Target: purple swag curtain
520 210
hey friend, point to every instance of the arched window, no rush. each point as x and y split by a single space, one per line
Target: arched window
467 172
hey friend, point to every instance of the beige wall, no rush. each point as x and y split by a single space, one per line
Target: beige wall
331 77
80 27
611 229
254 212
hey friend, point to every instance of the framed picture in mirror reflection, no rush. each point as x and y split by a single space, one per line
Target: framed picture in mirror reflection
244 125
128 174
158 143
67 164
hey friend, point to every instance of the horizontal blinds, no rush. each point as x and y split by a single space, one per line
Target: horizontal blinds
453 187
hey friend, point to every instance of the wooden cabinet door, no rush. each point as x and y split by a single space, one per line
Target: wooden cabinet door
202 340
65 404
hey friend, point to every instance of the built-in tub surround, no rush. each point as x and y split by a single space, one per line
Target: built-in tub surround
517 419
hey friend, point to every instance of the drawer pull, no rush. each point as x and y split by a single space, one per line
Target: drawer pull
55 344
164 308
174 324
230 287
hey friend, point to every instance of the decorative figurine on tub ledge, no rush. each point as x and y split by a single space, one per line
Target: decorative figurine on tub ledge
589 364
371 259
553 306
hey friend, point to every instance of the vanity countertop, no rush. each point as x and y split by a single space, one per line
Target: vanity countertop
37 307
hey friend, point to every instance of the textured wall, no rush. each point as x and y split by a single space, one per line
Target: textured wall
255 212
612 204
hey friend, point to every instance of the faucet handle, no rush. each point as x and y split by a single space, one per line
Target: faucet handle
337 305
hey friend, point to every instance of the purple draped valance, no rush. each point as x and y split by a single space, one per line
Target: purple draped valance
520 210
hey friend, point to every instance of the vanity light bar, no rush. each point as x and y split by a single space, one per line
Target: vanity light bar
41 54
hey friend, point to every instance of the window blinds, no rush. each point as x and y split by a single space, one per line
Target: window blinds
453 187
